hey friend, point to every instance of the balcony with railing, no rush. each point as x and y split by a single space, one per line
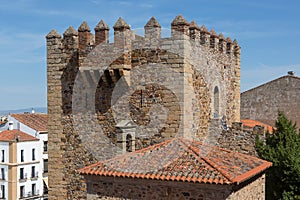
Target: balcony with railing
2 177
23 177
34 176
31 195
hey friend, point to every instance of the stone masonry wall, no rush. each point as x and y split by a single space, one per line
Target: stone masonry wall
254 190
263 102
84 102
242 141
126 188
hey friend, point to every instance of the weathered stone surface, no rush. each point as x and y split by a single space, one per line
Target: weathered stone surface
120 188
121 24
84 27
101 26
262 103
187 83
152 23
70 32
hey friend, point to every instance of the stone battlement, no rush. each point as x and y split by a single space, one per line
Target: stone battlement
84 40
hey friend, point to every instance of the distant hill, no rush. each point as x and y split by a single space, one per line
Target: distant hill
37 110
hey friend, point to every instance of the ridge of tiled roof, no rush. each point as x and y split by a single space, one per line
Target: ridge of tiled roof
13 135
252 123
36 121
181 160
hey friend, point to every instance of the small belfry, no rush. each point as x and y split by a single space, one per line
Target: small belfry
168 87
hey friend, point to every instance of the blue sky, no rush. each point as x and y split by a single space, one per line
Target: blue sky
267 30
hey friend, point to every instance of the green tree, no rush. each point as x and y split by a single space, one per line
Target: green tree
282 148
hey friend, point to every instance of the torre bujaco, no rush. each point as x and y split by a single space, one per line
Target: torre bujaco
163 87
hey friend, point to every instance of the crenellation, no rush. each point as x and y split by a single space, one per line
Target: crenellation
214 40
229 46
194 31
101 33
87 41
122 34
204 36
70 32
179 27
152 33
236 48
222 43
53 34
70 40
84 36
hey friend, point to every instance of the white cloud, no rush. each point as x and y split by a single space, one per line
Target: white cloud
21 47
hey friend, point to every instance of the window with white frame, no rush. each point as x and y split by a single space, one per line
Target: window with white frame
22 191
45 146
22 155
2 192
2 155
22 173
2 175
33 154
33 189
33 172
45 165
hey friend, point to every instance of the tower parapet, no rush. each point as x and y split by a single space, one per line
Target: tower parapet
83 40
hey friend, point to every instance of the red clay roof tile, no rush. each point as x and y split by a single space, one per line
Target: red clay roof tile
252 123
14 135
36 121
182 160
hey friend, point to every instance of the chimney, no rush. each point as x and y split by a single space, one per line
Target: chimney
10 125
32 111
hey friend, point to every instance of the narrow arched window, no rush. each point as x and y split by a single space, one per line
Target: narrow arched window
216 102
128 143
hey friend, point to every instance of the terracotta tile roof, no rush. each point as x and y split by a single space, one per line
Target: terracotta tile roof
181 160
251 123
11 135
36 121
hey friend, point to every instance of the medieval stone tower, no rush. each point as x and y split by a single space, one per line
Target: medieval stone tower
157 88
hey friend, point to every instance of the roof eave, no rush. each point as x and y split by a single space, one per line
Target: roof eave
245 176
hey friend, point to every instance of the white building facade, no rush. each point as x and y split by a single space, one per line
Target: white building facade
24 157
